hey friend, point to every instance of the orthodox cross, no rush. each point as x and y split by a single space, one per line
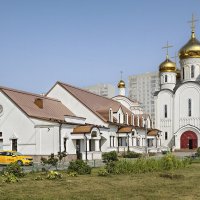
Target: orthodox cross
175 57
193 23
167 47
121 72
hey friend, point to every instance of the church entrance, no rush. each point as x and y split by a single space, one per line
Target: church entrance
189 140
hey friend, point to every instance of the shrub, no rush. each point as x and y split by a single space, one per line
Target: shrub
131 154
144 165
79 166
103 172
15 169
110 156
52 175
9 178
198 152
51 161
72 174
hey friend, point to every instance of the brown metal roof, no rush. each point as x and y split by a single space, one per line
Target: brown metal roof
83 129
96 103
153 132
125 129
52 109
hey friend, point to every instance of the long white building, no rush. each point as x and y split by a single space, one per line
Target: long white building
73 120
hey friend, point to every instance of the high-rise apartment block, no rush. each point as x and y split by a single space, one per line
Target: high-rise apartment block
106 90
142 88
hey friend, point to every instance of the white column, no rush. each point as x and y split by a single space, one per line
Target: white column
97 145
134 141
88 145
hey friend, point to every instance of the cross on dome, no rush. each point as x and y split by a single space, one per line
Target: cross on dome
167 47
193 23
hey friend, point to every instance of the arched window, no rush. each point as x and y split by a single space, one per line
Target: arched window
192 71
183 73
119 118
189 107
165 111
165 78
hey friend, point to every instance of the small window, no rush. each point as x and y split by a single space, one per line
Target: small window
189 107
166 136
14 144
110 141
0 134
192 71
165 108
113 141
64 142
111 115
165 78
183 73
119 118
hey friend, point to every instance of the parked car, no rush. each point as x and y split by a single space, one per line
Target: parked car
7 157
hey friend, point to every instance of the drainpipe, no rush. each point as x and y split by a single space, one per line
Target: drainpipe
85 146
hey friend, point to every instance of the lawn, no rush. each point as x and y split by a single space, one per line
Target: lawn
140 186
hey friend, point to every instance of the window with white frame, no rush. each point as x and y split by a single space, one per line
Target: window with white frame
189 107
192 71
165 111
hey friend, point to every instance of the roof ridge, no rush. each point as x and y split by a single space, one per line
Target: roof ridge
27 93
84 90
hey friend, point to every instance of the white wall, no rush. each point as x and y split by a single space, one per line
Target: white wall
74 105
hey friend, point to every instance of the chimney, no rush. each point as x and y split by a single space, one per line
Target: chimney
39 102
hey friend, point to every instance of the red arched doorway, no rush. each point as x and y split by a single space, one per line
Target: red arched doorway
189 140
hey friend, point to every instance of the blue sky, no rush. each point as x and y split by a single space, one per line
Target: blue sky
84 42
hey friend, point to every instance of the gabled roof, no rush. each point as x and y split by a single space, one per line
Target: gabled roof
52 108
99 105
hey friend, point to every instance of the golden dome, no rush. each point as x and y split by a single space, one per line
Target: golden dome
167 66
121 84
191 49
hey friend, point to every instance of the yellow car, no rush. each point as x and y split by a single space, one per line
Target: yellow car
7 157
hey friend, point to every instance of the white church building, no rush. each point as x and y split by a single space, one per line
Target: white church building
178 101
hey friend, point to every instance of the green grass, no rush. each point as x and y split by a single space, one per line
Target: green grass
149 186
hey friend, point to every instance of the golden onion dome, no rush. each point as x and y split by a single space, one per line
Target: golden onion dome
167 66
191 49
121 84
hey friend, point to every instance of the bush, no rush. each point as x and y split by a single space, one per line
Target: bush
79 166
144 165
198 152
9 178
52 160
72 174
103 172
110 156
52 175
15 169
131 154
110 167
